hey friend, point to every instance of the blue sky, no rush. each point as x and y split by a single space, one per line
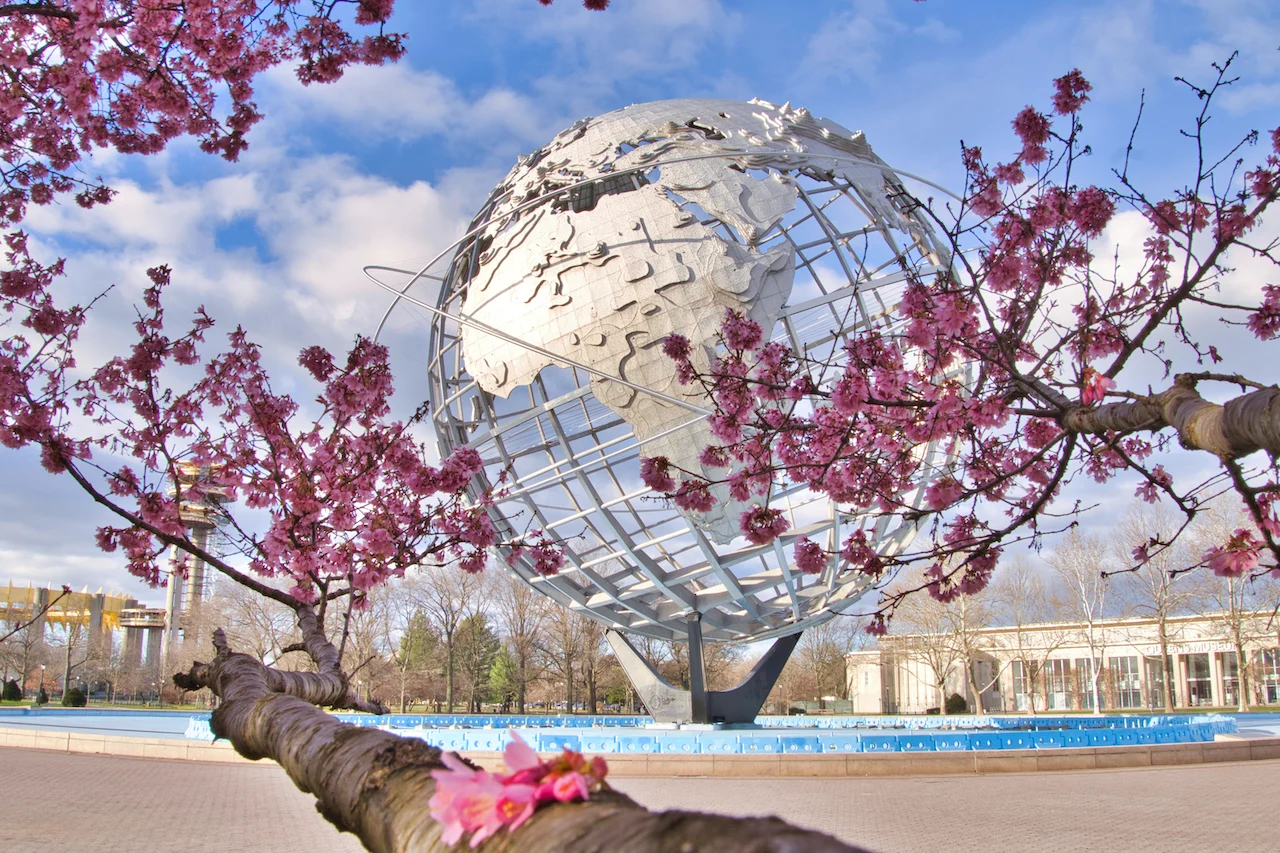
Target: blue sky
387 165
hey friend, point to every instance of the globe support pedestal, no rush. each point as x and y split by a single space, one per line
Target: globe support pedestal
670 704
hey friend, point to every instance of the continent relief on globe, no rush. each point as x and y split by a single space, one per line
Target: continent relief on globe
601 279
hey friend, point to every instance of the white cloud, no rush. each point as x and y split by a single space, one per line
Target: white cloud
327 222
403 103
318 222
852 44
658 44
934 30
1249 98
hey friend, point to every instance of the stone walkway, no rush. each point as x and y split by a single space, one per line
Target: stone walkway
53 801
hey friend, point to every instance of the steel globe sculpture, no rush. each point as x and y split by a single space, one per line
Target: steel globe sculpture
545 349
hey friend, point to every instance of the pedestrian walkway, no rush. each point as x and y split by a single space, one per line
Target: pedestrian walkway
198 807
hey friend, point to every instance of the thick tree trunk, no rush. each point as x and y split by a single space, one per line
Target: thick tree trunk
568 685
377 785
448 671
974 690
1243 425
66 667
1242 675
1166 666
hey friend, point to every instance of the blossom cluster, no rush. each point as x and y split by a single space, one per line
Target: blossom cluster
470 800
353 498
1051 339
134 75
1240 555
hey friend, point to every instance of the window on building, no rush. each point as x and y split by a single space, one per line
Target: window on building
1021 687
1155 683
1199 681
1269 676
984 676
1126 682
1084 683
1229 666
1058 677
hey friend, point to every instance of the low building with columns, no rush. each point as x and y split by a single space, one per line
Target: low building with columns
1211 660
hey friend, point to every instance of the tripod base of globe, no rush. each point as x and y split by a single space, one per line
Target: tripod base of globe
670 704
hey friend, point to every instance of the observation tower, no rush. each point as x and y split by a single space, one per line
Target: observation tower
190 581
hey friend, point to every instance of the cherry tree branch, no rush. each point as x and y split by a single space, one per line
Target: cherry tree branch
378 786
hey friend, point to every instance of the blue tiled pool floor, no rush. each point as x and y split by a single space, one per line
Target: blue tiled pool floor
783 735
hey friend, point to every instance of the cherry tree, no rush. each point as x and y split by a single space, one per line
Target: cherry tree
133 75
335 496
1064 344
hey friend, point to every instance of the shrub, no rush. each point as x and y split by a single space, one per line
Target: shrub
74 698
12 692
956 704
42 698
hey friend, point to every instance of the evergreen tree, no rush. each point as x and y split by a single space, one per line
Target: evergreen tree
477 648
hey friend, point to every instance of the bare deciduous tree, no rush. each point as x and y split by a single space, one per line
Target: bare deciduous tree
823 651
447 594
1154 589
1243 606
1021 600
1081 562
522 615
923 631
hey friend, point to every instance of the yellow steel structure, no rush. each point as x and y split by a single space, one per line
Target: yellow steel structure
22 604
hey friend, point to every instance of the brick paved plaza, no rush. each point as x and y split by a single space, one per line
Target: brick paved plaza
52 800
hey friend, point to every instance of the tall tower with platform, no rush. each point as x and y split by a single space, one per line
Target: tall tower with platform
190 582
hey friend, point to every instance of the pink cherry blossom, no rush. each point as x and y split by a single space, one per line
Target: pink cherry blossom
1072 92
694 495
1091 209
518 755
654 473
570 786
943 492
1096 386
1032 128
1149 490
676 347
1239 556
469 800
809 556
1265 322
740 333
762 525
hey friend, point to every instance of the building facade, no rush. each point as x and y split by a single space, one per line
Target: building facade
1215 660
